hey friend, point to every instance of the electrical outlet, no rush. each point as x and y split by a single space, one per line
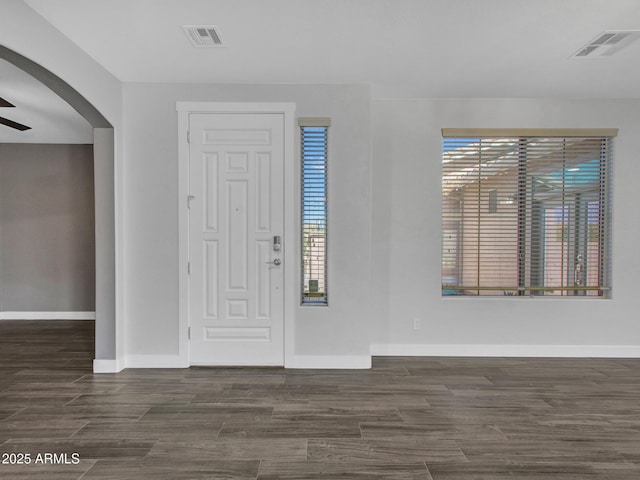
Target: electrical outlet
417 324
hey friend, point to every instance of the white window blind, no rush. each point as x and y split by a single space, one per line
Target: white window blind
524 214
314 143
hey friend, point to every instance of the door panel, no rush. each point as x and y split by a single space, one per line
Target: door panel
236 214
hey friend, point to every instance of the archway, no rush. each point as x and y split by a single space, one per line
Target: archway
103 147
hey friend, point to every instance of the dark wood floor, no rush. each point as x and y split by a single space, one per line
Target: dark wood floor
407 418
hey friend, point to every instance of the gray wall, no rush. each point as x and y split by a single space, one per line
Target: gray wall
407 166
47 235
151 217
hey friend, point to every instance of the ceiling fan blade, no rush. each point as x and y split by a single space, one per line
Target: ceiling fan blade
12 124
4 103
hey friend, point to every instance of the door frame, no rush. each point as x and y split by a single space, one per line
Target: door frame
184 110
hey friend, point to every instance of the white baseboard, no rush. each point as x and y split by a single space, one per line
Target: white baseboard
107 366
441 350
138 361
176 361
155 361
233 364
331 362
47 315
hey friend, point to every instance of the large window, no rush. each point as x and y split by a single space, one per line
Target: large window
313 141
526 212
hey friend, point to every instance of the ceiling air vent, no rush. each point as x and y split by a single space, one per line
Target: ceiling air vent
203 35
607 43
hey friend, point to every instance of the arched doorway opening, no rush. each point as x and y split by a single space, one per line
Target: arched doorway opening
104 204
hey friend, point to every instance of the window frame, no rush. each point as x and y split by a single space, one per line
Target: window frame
314 154
451 251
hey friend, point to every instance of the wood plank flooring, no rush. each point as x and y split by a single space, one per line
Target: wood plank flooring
406 418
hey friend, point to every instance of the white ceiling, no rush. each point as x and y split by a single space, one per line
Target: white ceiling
402 48
406 48
51 119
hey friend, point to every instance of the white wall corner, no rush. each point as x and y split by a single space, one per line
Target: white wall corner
331 362
442 350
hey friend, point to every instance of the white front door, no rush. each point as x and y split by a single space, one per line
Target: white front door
236 232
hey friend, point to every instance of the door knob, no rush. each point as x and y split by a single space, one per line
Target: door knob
276 262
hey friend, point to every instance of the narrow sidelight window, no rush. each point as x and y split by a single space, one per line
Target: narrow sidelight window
526 212
313 141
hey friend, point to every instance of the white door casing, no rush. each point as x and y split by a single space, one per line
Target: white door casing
236 232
